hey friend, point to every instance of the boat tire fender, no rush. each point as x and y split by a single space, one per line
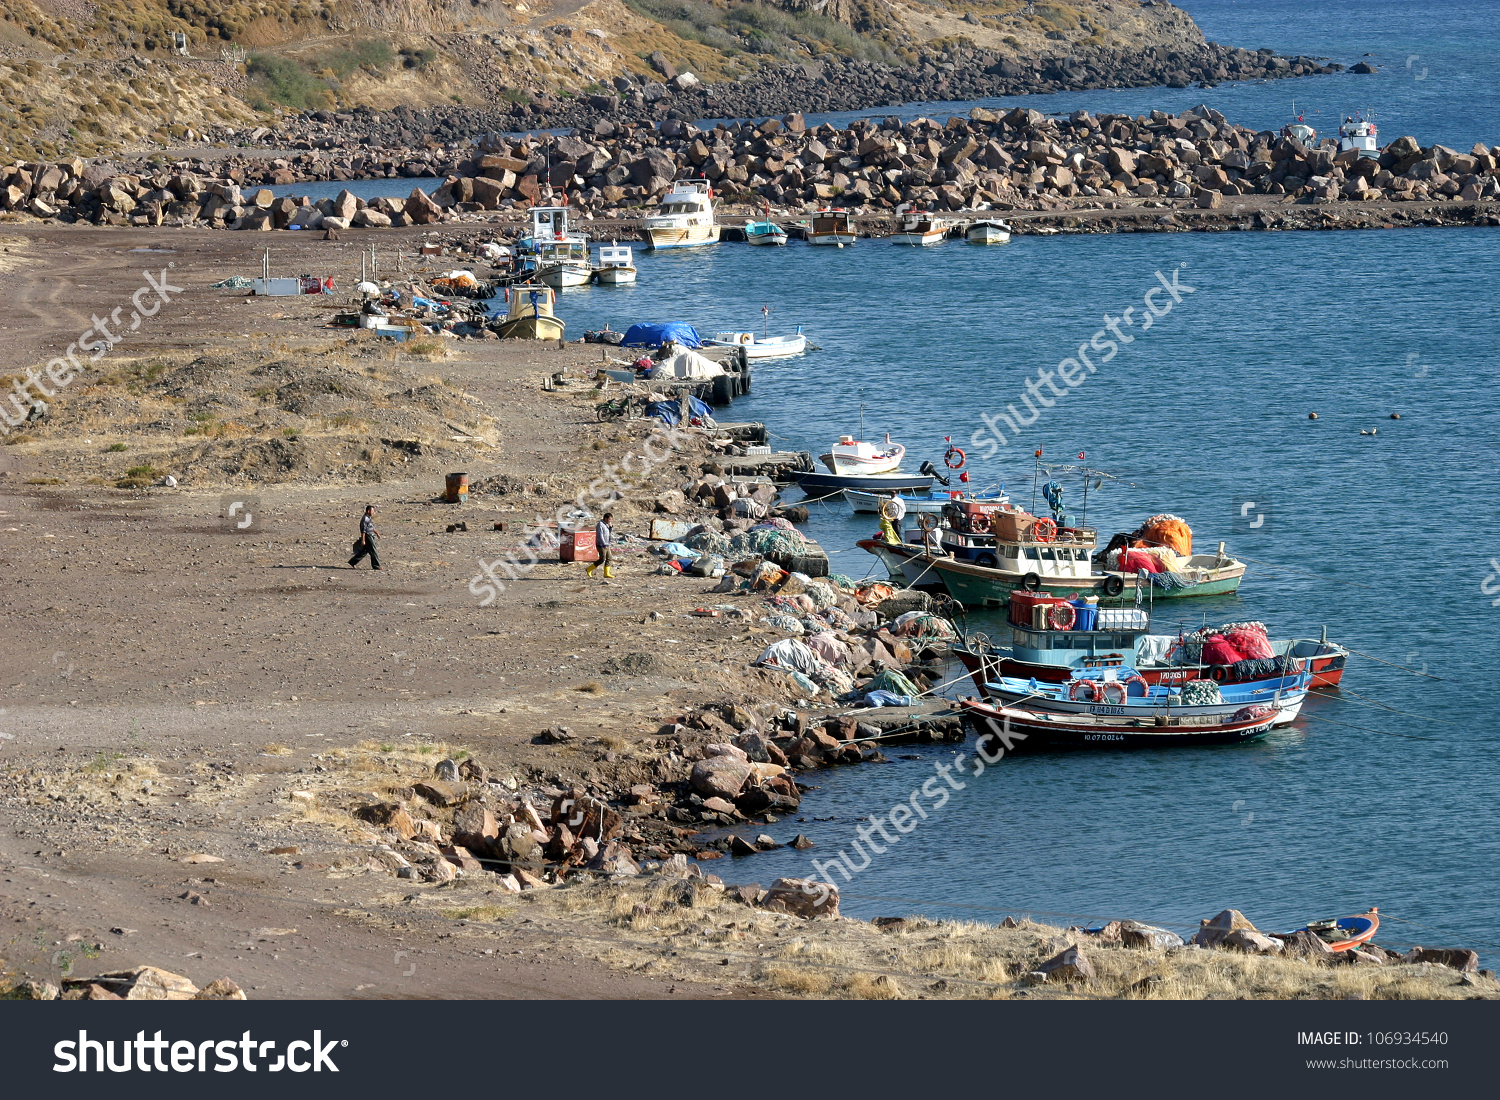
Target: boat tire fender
1113 586
1031 582
1219 673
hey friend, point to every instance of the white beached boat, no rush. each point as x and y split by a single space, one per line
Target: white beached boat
685 218
851 456
987 232
616 265
832 227
761 347
919 229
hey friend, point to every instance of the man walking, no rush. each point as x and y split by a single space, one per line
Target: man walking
366 543
604 537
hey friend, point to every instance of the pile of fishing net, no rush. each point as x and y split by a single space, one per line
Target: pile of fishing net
1228 644
797 656
837 618
841 582
874 593
781 620
826 646
1201 693
1169 531
892 680
708 541
923 624
822 594
774 538
798 605
1264 668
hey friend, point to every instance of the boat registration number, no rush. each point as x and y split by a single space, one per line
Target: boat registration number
1104 737
1106 710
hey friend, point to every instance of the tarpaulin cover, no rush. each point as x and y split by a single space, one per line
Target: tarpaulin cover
687 364
651 335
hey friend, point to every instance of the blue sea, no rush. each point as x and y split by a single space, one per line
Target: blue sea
1384 793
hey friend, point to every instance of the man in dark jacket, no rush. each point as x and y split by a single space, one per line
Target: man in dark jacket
367 537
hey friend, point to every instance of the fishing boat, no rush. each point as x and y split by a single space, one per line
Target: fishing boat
616 265
1359 132
851 456
765 233
989 231
1342 933
1299 130
832 227
1120 691
919 229
549 225
1160 553
761 347
816 483
1028 729
1052 644
685 217
562 263
530 314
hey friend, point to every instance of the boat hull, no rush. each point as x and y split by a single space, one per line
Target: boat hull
980 586
766 240
530 328
918 239
691 236
987 236
777 347
1276 694
901 565
559 277
821 484
614 276
837 240
1019 730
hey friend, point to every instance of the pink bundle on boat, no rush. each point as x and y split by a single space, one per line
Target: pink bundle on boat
1250 639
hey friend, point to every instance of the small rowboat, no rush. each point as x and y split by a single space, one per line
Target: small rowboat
765 233
1045 730
1343 933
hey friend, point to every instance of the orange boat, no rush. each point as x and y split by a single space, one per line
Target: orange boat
1344 933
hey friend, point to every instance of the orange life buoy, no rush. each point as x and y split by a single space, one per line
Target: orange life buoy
1083 691
1112 691
1045 530
948 459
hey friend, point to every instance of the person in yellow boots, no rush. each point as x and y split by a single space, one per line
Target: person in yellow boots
603 539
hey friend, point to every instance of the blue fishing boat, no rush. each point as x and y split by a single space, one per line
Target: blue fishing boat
765 233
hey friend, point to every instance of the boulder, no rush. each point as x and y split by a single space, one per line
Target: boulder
474 826
724 776
439 793
220 989
1305 945
144 983
1069 965
1456 958
370 218
390 815
802 898
1212 932
1251 942
421 209
614 859
1138 935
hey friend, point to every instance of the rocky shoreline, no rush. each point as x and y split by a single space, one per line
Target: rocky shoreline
1018 161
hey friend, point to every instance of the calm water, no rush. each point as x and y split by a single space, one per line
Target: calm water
1385 539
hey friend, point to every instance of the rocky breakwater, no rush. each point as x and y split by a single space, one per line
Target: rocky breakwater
831 84
1016 161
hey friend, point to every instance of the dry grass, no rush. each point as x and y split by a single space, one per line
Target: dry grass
689 926
430 349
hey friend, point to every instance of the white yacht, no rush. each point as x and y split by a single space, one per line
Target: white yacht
1359 132
685 217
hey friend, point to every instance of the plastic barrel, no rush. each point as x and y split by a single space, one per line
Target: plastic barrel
1088 616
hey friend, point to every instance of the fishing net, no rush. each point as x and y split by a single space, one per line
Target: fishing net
1264 668
798 605
767 541
923 624
709 541
1168 530
891 680
1250 638
826 646
780 620
875 593
1201 693
841 582
822 595
836 618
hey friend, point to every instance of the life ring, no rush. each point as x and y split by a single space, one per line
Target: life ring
1219 673
948 458
1062 616
747 338
1083 691
1113 585
1137 678
1112 691
928 522
890 514
1044 530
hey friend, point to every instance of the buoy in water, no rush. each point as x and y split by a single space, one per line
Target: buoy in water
1312 416
1395 416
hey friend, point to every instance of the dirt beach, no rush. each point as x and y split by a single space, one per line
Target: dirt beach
200 718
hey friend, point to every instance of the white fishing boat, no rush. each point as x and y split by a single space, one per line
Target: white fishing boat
1360 133
685 218
987 232
765 234
549 225
761 347
616 265
563 263
919 229
832 227
856 457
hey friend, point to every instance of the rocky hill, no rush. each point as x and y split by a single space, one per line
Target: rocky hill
79 77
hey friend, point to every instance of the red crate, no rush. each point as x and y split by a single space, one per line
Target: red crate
578 546
1021 603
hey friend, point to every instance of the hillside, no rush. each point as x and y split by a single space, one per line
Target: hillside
88 76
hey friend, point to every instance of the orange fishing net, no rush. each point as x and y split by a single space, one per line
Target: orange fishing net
1169 531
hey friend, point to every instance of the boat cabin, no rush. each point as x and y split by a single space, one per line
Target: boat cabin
831 221
1360 133
615 255
690 202
549 223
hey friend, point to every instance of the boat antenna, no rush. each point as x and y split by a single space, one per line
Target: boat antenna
1083 520
1036 476
765 312
861 420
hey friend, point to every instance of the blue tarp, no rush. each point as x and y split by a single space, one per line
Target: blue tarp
669 413
654 335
